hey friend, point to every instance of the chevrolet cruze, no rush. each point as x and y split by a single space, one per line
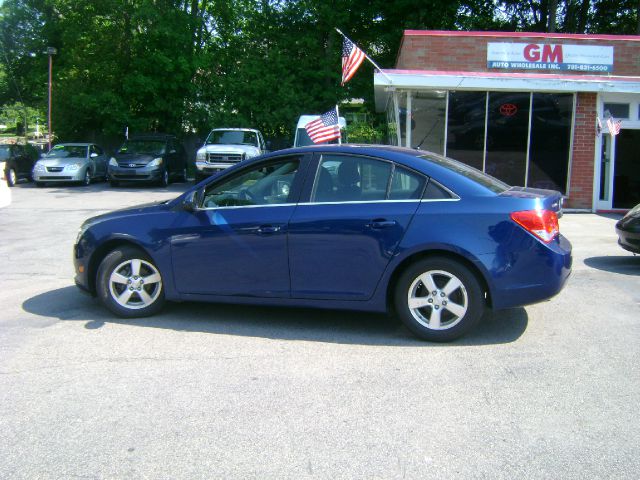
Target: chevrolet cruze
367 228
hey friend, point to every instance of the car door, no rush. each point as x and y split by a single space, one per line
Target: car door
235 243
341 241
21 161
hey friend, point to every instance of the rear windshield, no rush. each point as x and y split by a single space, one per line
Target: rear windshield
492 183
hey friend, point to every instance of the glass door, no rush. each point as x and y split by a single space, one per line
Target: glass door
626 170
605 184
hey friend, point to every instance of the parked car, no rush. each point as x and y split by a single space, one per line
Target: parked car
628 230
345 227
152 158
71 162
225 147
301 137
17 162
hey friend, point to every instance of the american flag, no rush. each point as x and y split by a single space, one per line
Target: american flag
324 128
614 126
352 57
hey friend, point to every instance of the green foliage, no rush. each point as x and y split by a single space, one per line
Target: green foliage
364 133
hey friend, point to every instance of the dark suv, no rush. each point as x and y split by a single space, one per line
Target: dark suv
17 162
151 158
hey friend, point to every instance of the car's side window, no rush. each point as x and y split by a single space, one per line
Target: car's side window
435 191
263 184
406 185
342 178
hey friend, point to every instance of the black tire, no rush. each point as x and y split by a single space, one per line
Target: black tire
447 315
120 261
12 177
87 178
183 175
165 179
113 183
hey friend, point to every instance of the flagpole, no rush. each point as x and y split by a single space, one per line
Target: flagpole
367 57
339 127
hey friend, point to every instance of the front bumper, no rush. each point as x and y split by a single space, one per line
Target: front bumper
628 240
81 269
135 174
206 168
64 175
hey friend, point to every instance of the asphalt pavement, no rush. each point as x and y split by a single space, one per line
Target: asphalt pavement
209 391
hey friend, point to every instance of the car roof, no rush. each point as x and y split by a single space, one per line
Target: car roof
234 129
74 144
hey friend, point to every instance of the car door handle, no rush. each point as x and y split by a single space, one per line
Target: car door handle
381 223
268 229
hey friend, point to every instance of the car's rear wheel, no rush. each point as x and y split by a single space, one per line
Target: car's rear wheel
129 284
439 299
12 177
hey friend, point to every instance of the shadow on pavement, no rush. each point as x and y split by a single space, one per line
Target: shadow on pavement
304 324
626 265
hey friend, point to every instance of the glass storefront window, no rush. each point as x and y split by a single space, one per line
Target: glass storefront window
550 141
616 110
465 130
428 112
507 136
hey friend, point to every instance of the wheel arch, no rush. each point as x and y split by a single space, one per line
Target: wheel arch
104 250
424 254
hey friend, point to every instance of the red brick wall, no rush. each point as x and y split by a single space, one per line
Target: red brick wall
584 146
467 51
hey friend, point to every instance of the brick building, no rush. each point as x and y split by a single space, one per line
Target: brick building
528 108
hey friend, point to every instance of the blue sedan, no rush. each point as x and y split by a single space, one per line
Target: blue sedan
371 228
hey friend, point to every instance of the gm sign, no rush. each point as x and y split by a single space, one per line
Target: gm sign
550 57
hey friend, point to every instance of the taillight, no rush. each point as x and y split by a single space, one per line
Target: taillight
541 223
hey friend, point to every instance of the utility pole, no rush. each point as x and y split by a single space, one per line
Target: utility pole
51 52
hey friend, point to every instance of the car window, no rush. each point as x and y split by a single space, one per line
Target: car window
406 185
68 151
351 179
5 152
95 149
263 184
435 191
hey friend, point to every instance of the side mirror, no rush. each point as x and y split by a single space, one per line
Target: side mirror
190 202
93 155
172 151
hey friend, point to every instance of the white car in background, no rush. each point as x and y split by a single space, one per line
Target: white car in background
227 146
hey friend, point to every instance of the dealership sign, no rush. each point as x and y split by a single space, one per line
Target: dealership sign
550 57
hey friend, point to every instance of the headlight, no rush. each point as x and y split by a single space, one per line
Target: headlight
74 166
113 162
201 156
39 167
156 162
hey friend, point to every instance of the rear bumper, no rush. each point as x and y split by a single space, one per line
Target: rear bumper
531 275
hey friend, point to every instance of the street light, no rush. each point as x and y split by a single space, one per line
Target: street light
51 52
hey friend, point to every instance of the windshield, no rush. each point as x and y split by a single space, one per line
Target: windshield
150 147
66 151
232 137
492 183
5 152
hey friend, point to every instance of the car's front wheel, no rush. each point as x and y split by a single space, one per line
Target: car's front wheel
165 180
439 299
86 181
129 284
12 177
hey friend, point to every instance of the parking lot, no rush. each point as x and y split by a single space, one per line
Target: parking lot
210 391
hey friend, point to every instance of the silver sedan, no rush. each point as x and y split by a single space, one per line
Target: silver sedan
71 162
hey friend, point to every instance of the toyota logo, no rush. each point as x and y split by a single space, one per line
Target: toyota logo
508 109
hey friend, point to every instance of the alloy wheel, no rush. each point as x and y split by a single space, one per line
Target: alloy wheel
135 284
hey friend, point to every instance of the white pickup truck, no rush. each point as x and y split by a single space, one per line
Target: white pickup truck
225 147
